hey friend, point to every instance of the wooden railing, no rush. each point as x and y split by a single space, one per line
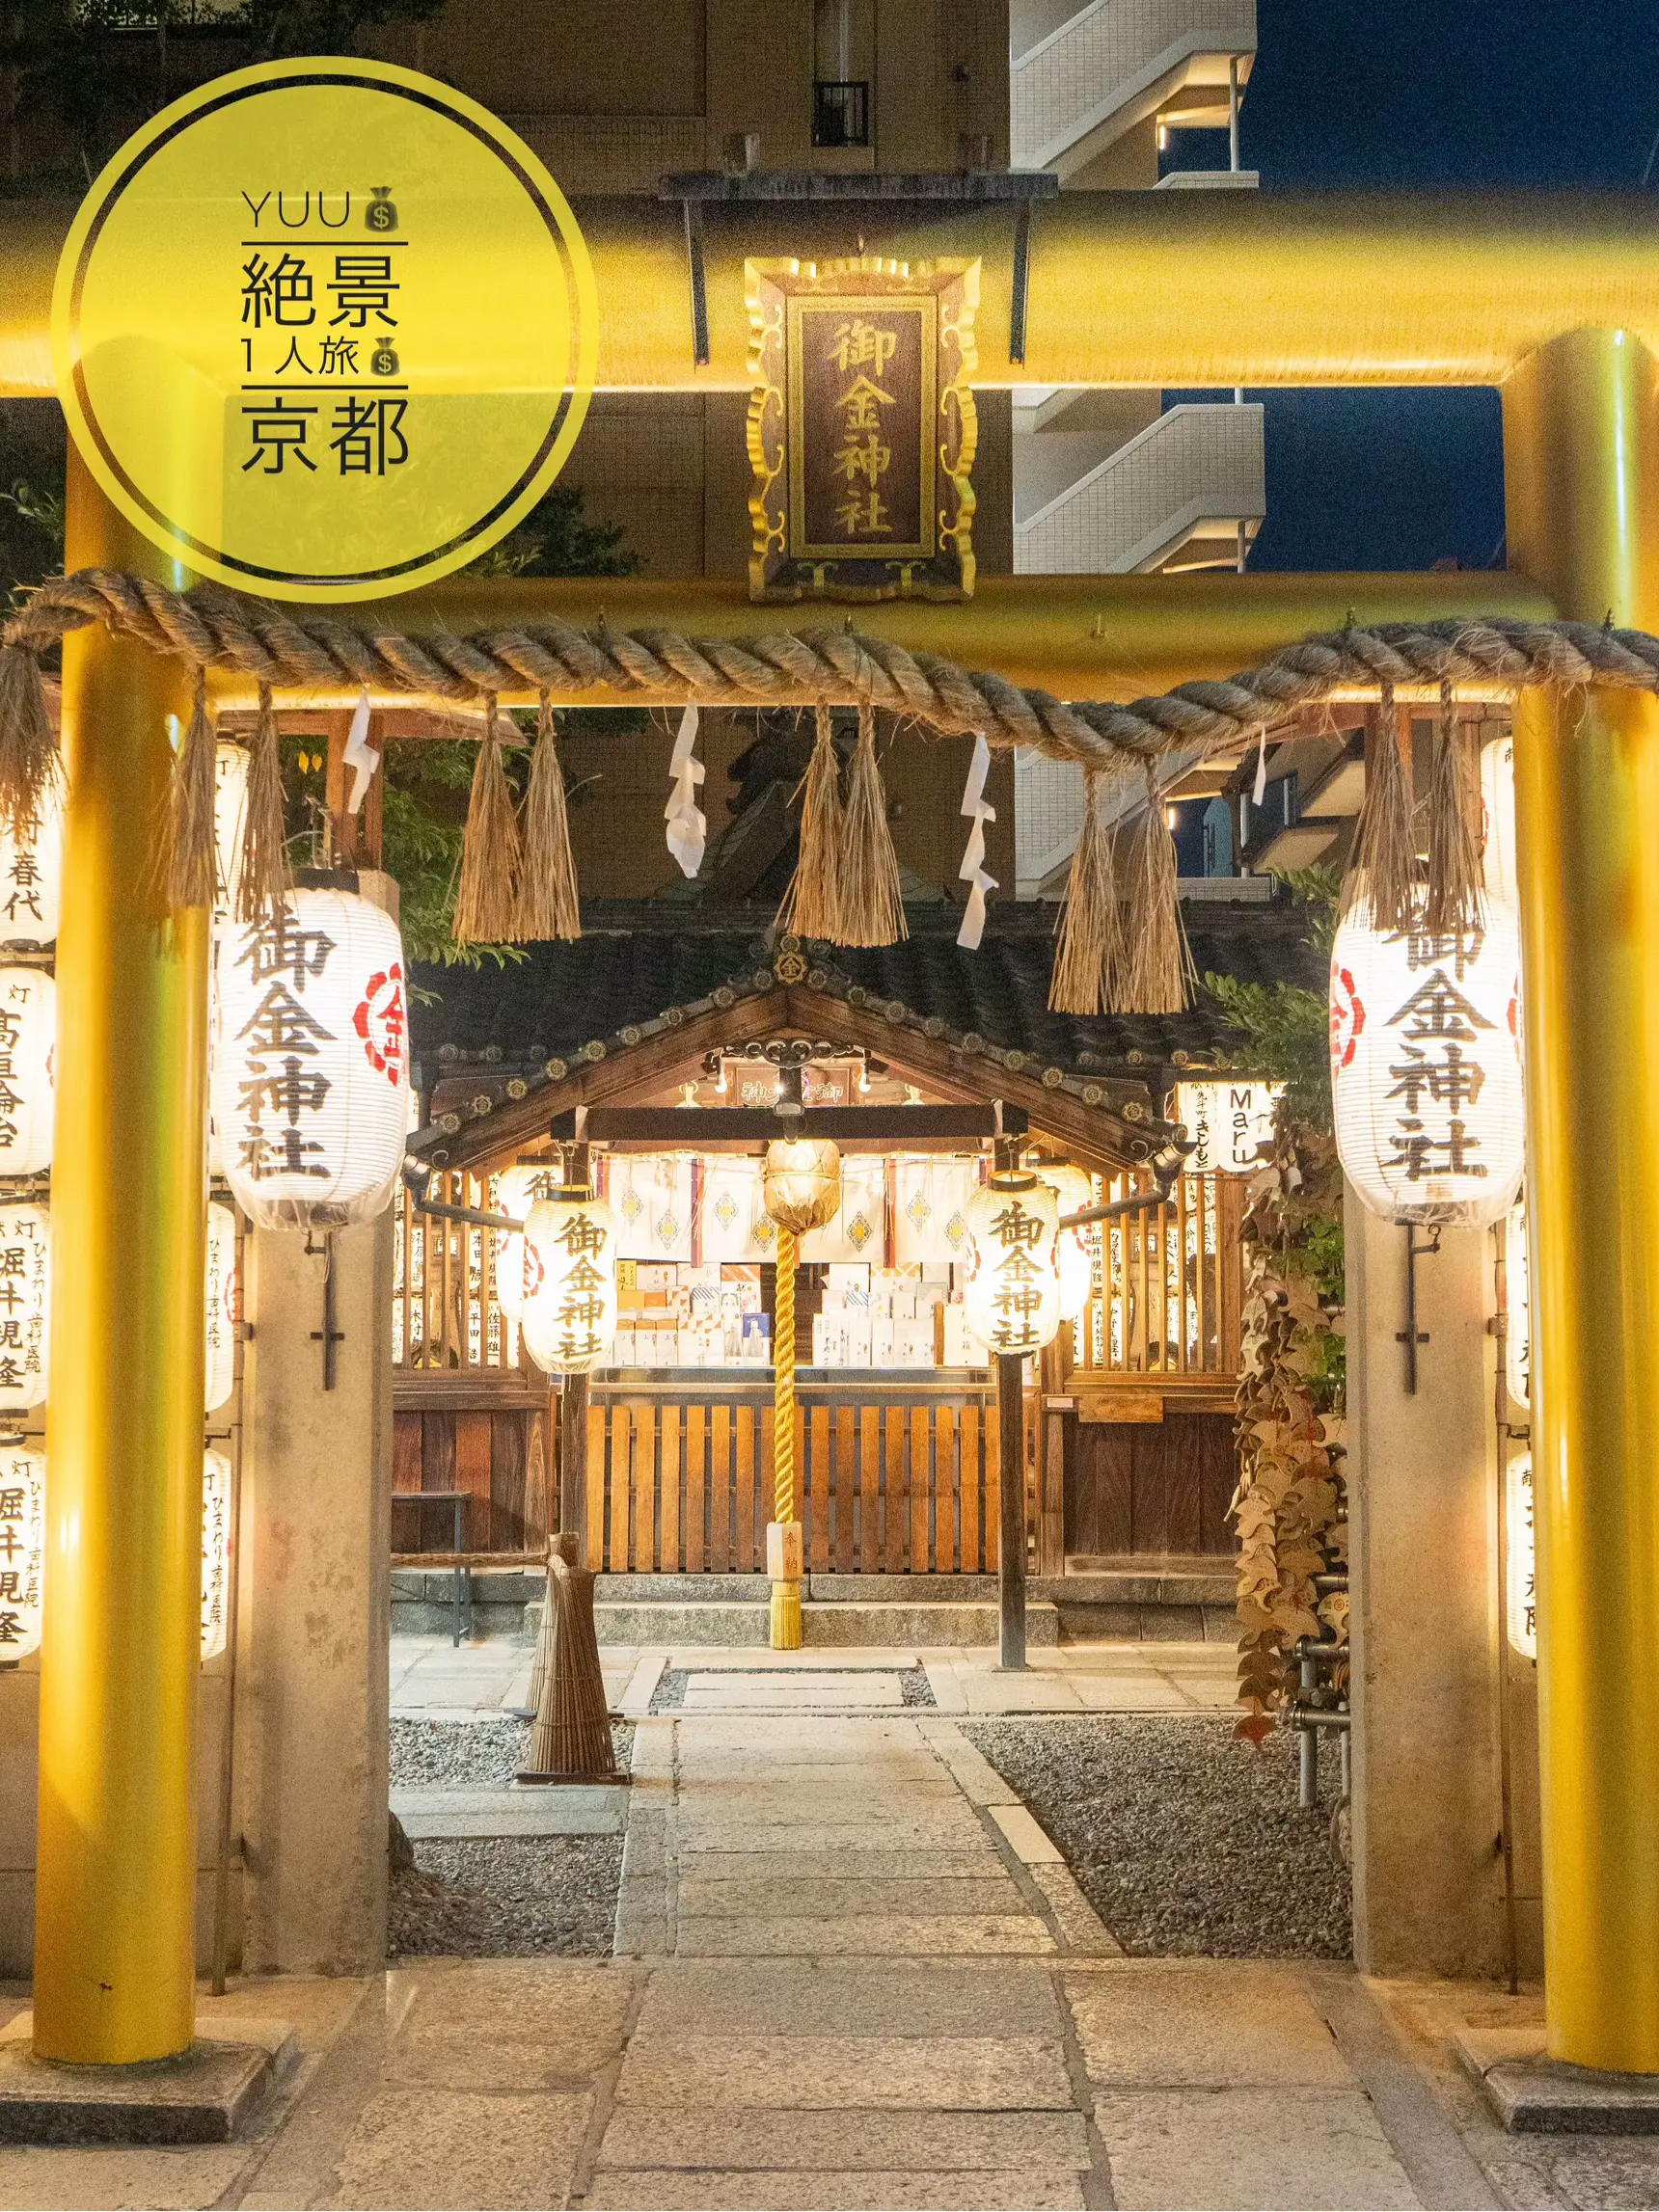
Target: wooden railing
1168 1286
906 1484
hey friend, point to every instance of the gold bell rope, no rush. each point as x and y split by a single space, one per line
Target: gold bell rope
1090 942
547 904
872 905
784 1381
263 881
1456 872
811 905
489 848
1382 876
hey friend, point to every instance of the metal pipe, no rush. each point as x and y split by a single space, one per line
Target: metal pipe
1307 1746
1233 114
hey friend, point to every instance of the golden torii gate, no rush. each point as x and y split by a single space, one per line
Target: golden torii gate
1554 298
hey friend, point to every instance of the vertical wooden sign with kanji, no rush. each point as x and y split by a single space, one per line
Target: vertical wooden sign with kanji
862 429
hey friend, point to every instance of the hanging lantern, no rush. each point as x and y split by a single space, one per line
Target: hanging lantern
1229 1121
517 1190
230 811
24 1247
569 1310
310 1064
31 877
1498 817
1521 1599
801 1187
221 1362
215 1552
1425 1069
23 1547
1075 1247
1012 1296
1517 1286
28 1037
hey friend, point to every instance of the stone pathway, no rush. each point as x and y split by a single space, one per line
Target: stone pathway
852 1971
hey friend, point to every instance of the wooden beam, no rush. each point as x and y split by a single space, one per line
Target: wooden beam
746 1128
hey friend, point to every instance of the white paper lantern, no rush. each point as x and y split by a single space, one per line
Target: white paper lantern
28 1043
230 813
23 1547
215 1552
1521 1599
517 1190
1013 1294
1229 1121
220 1368
1498 817
1076 1249
1518 1292
24 1277
1425 1069
310 1066
31 877
569 1312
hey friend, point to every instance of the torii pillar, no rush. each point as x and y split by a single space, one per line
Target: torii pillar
1581 452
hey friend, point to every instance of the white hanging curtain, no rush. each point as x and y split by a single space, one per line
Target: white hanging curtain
650 1194
735 1227
858 1228
929 1209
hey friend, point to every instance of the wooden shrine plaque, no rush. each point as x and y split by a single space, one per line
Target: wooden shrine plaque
862 429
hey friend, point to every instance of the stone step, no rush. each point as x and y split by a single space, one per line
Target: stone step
883 1623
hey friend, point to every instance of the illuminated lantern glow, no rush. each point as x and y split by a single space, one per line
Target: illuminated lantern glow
801 1187
1229 1121
1013 1294
28 1040
23 1547
24 1283
1521 1599
1517 1287
220 1368
1498 817
215 1552
569 1310
1425 1069
310 1066
230 813
31 877
517 1190
1073 1190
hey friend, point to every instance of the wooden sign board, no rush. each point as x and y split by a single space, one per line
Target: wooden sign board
862 429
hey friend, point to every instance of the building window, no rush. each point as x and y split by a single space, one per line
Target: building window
840 112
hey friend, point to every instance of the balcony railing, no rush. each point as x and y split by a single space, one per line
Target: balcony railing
840 112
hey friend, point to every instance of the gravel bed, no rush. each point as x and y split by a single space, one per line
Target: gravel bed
507 1897
1183 1839
471 1754
670 1695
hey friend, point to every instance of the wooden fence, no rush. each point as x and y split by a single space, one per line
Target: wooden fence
1168 1286
887 1487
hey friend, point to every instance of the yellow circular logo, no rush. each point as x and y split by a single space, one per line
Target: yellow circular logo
324 330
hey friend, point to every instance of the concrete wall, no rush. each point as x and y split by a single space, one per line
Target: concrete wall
1428 1878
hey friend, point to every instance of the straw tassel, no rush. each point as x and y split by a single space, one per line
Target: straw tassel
490 849
1456 872
263 881
1156 965
547 904
811 905
1087 953
872 905
30 763
186 856
1383 876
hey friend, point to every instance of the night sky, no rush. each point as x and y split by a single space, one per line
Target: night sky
1440 93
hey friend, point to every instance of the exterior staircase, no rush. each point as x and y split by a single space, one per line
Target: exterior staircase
1080 77
1187 481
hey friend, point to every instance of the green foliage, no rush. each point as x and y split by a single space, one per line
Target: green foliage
1285 1030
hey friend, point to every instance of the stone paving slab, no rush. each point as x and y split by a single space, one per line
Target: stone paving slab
968 2073
750 1692
446 2150
1019 2190
834 1892
1237 2024
881 1934
878 2142
1025 1837
857 1866
935 1998
555 1809
1251 2149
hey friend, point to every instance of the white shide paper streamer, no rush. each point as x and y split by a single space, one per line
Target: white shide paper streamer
972 869
688 826
360 756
